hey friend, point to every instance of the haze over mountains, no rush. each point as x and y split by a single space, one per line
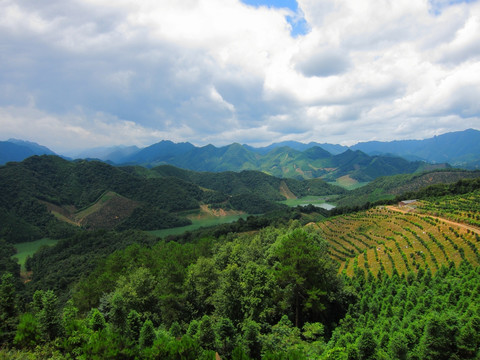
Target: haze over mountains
363 161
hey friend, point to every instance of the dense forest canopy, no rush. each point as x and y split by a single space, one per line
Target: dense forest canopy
46 196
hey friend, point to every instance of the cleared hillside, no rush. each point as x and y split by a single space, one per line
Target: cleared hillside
110 210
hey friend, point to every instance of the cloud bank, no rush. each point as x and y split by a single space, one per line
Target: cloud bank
89 73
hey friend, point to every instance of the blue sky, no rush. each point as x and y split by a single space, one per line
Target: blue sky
291 4
90 73
297 22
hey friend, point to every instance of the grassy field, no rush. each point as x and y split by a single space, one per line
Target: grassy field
198 224
348 183
29 248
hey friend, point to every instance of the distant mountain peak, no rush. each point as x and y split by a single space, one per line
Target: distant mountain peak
36 148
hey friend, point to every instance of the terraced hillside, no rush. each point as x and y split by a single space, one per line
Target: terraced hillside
385 239
463 209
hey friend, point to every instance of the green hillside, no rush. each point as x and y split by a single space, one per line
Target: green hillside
261 184
387 283
46 196
54 196
389 187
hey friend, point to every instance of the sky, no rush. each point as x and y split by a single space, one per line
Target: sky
86 73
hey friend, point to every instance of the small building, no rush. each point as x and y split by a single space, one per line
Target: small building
404 203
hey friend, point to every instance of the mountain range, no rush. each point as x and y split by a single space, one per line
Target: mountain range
290 159
460 148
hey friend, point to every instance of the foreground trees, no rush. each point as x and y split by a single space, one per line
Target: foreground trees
8 308
232 295
305 272
274 294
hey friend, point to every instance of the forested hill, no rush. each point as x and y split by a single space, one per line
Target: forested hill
250 181
50 196
407 288
388 187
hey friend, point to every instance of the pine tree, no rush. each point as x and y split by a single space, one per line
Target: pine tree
226 337
134 325
439 338
147 334
69 320
8 309
37 302
192 330
251 338
97 321
118 311
176 330
305 272
206 335
367 345
398 346
28 332
48 317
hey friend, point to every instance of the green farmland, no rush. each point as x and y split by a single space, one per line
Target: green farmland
29 248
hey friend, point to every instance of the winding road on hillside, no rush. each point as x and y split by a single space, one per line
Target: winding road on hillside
463 226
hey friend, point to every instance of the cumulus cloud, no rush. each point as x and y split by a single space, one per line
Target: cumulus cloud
96 72
464 46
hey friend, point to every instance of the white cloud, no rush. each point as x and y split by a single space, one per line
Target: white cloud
79 130
322 62
465 45
219 70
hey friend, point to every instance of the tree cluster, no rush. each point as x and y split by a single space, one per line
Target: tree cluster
239 296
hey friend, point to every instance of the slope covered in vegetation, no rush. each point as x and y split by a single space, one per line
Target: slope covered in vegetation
389 187
46 196
383 240
387 283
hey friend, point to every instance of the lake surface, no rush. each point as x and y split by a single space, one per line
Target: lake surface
318 201
325 206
